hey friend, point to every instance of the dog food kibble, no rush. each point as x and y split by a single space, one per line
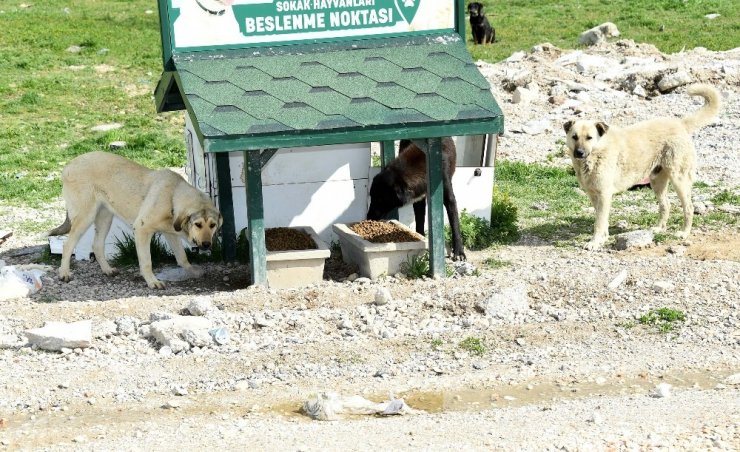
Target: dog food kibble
288 239
383 232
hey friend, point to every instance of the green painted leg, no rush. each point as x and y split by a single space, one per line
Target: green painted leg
226 206
387 154
255 218
435 197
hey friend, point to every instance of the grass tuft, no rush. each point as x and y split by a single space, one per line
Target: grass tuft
473 345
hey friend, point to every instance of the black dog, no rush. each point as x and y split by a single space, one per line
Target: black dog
404 180
483 32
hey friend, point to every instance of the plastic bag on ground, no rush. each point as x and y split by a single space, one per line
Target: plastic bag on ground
329 406
21 280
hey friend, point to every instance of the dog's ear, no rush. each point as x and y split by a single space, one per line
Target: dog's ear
220 220
567 126
602 128
180 221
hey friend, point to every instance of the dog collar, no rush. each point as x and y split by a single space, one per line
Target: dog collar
210 11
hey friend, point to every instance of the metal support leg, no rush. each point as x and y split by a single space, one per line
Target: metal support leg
226 206
255 218
387 154
435 219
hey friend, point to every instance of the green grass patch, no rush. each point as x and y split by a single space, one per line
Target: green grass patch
663 23
664 319
726 197
493 263
473 345
125 255
417 266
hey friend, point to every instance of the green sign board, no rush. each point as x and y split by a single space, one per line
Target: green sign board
243 23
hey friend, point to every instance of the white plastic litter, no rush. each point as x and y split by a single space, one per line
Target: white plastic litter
329 406
18 281
174 274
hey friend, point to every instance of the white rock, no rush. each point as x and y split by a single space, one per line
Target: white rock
522 96
170 332
383 296
733 379
200 306
57 335
671 81
536 127
618 280
634 239
506 303
662 286
639 91
662 390
516 57
712 16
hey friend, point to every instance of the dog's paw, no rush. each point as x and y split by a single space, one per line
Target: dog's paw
156 284
65 276
683 235
657 229
593 245
111 272
459 257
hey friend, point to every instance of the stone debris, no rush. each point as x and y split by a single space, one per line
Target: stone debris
618 280
200 306
383 296
55 336
663 286
634 239
505 303
662 390
178 332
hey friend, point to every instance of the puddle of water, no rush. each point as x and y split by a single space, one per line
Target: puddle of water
534 393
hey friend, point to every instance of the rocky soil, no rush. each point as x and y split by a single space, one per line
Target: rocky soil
543 352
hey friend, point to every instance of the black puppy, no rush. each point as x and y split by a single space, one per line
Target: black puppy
404 180
483 32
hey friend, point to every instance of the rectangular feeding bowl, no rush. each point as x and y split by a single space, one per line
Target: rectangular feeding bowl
288 269
377 259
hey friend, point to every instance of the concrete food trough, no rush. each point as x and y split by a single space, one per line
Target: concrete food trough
376 259
288 269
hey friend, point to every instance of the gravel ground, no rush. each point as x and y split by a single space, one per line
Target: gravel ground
564 362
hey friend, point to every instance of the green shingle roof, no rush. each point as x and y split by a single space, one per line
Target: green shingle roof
246 99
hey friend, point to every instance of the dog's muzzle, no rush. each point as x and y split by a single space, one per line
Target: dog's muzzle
579 153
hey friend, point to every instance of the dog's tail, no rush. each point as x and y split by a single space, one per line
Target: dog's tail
61 229
707 113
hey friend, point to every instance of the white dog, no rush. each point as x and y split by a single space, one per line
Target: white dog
610 159
206 23
98 185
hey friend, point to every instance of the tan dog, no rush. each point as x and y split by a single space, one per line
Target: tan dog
98 185
610 159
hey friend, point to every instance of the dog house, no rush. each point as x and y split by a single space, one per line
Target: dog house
283 99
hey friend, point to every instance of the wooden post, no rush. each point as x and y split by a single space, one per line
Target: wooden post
226 206
435 201
255 218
